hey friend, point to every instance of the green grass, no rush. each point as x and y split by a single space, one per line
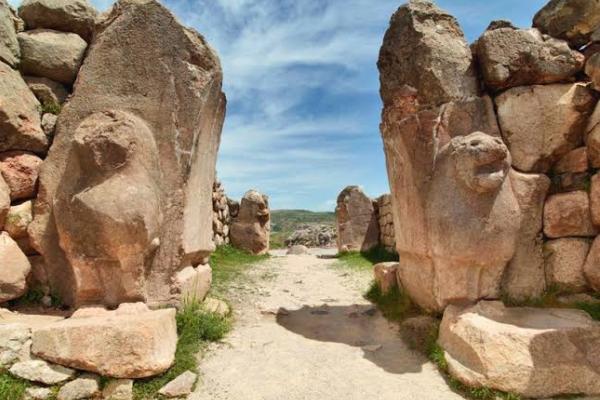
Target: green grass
50 108
277 240
366 260
592 309
11 388
195 328
395 305
228 264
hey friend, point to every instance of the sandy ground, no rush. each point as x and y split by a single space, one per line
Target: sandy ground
303 331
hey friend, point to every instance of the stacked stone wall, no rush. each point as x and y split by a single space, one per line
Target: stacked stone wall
387 236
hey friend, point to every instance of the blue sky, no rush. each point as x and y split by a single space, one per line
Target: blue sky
302 87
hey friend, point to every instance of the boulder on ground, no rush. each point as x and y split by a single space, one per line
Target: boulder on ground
41 371
591 268
76 16
441 63
161 193
541 124
216 306
297 250
251 228
531 352
19 114
85 387
180 386
357 223
385 275
37 393
516 57
192 284
9 45
524 277
131 342
572 20
15 268
20 171
118 389
51 54
568 214
48 92
564 260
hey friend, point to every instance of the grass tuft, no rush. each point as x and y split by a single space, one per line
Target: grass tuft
195 327
591 308
11 388
366 260
50 108
228 263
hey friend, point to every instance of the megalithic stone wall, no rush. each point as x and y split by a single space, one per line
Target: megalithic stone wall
126 175
221 215
385 215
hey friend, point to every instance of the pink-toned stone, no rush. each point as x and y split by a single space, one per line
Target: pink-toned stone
386 276
20 171
591 269
357 224
574 161
564 260
568 214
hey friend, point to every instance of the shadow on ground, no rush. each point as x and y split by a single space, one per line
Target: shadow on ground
358 326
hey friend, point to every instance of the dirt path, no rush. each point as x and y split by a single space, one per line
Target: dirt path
326 342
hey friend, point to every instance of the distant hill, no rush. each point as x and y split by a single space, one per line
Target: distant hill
284 222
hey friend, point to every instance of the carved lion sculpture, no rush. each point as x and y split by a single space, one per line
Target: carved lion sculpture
110 207
251 228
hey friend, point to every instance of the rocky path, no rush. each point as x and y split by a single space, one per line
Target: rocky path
303 331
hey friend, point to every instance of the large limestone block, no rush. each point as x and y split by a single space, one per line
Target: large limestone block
464 248
524 277
357 224
537 353
51 54
425 48
540 124
515 57
153 129
568 214
251 228
20 171
131 342
572 20
9 45
19 114
15 268
564 260
76 16
591 268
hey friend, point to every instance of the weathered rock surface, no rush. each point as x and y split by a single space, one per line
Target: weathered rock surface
76 16
49 124
541 124
440 67
192 284
158 198
591 268
595 199
385 275
593 138
131 342
533 352
20 171
180 386
385 214
572 20
9 45
592 69
15 268
312 235
524 277
516 57
84 387
4 201
18 219
575 161
568 214
251 228
216 306
19 114
118 389
357 223
47 91
51 54
41 371
564 263
37 393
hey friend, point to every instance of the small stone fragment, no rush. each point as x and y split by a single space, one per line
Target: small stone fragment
84 387
180 386
15 268
42 372
216 306
118 389
18 219
49 124
37 393
386 276
20 171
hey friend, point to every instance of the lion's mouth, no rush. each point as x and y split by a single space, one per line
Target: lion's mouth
491 175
